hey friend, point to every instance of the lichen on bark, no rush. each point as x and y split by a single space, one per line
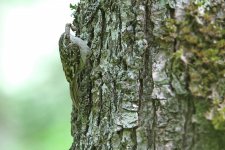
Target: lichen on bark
133 95
199 57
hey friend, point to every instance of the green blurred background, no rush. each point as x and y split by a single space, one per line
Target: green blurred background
34 98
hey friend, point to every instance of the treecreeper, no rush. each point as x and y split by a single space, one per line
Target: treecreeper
73 53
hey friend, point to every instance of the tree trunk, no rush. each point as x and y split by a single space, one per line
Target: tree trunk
129 96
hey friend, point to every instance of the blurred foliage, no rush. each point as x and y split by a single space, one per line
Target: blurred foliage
35 114
16 2
38 116
200 54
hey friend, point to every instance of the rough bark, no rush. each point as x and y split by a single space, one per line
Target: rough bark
129 97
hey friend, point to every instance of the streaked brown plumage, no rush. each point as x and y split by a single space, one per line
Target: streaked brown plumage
70 58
